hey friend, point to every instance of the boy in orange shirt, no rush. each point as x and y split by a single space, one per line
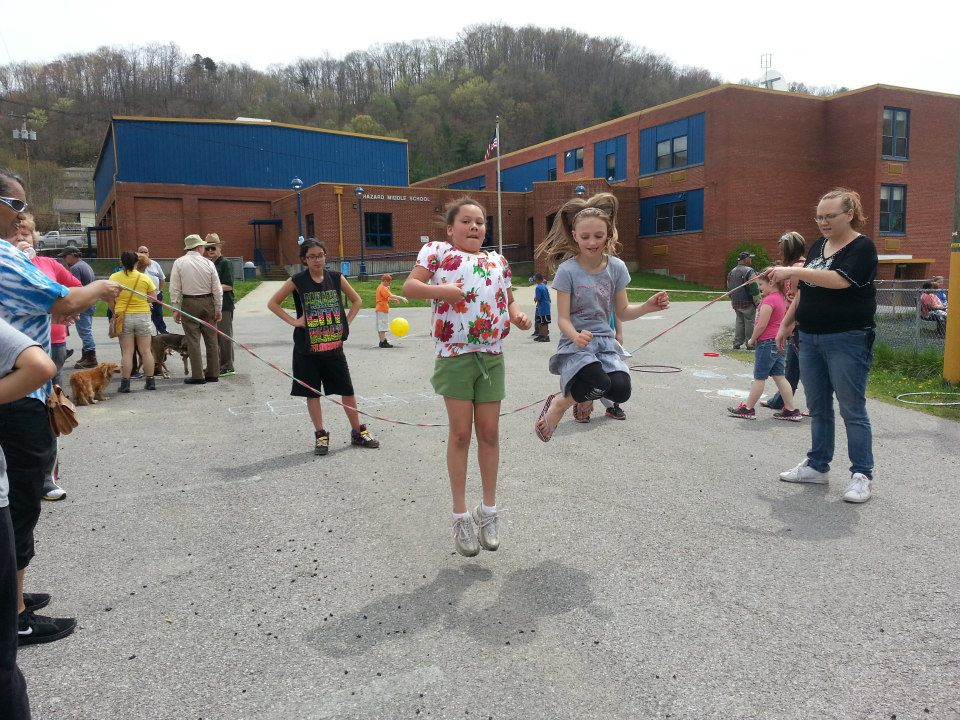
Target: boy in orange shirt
384 298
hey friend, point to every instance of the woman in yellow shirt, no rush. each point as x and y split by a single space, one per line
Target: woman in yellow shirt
137 327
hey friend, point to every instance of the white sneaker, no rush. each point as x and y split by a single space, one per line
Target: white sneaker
465 537
858 491
803 473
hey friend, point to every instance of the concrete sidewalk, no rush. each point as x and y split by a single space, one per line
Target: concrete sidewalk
648 568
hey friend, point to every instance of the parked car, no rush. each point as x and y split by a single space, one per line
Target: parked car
54 239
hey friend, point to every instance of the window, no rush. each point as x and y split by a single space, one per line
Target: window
573 160
896 133
378 230
610 159
676 213
672 217
311 228
676 144
488 234
551 173
893 206
672 153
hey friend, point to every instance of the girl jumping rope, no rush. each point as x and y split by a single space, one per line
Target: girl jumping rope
591 284
320 328
768 360
473 307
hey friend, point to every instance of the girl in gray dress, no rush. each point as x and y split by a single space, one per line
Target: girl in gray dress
591 284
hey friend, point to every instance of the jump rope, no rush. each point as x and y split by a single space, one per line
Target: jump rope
394 421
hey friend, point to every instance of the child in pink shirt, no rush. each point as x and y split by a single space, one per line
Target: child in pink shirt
768 361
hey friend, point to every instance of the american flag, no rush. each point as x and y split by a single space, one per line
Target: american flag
491 148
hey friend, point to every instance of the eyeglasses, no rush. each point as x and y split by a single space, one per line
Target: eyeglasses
321 256
829 218
209 248
15 204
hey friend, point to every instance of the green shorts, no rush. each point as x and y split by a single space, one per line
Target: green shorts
476 376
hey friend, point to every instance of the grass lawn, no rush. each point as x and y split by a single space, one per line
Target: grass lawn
240 288
368 293
654 282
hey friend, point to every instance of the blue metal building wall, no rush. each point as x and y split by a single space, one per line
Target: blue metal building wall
648 211
520 178
247 155
616 146
691 126
476 183
103 175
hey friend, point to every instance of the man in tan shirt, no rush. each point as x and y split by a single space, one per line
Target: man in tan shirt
195 289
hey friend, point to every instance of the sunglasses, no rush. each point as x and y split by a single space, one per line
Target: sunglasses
15 204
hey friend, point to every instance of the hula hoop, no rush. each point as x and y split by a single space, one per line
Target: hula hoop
658 369
932 404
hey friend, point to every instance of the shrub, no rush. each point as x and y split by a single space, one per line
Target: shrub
761 260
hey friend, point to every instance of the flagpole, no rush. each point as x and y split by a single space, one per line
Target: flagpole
499 205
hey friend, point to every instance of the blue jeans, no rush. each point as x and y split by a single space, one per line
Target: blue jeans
85 329
156 315
767 360
791 372
838 363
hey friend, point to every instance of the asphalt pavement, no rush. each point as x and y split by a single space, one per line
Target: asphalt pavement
649 568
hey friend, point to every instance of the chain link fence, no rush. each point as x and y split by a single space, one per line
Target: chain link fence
898 316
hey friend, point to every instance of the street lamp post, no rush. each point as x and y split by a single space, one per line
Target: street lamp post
363 265
296 184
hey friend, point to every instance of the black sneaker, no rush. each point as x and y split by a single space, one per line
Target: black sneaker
194 381
363 438
33 629
385 344
616 412
321 444
35 601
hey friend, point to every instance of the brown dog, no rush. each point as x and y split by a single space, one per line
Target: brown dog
165 344
88 385
161 346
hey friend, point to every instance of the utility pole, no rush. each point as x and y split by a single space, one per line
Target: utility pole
28 136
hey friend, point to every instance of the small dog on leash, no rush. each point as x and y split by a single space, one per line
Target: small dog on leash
88 385
161 346
165 344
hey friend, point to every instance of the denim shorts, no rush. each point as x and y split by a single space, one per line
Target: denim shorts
768 360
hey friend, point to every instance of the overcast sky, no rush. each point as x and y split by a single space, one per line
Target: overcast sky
849 43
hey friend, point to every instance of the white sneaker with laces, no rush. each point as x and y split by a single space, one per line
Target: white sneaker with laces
803 473
488 527
858 491
465 537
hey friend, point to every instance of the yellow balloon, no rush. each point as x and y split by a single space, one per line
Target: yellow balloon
399 327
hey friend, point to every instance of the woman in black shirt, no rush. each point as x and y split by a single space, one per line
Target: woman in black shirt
834 309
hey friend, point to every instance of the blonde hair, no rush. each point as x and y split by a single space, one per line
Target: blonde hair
765 276
559 244
143 262
849 200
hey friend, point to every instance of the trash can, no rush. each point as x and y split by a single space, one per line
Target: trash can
249 271
345 267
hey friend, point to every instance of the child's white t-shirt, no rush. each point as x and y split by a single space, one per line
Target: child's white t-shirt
480 321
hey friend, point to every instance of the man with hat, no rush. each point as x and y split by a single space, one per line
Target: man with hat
225 272
742 298
73 259
195 289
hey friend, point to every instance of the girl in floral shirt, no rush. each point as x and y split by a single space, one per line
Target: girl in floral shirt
473 307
